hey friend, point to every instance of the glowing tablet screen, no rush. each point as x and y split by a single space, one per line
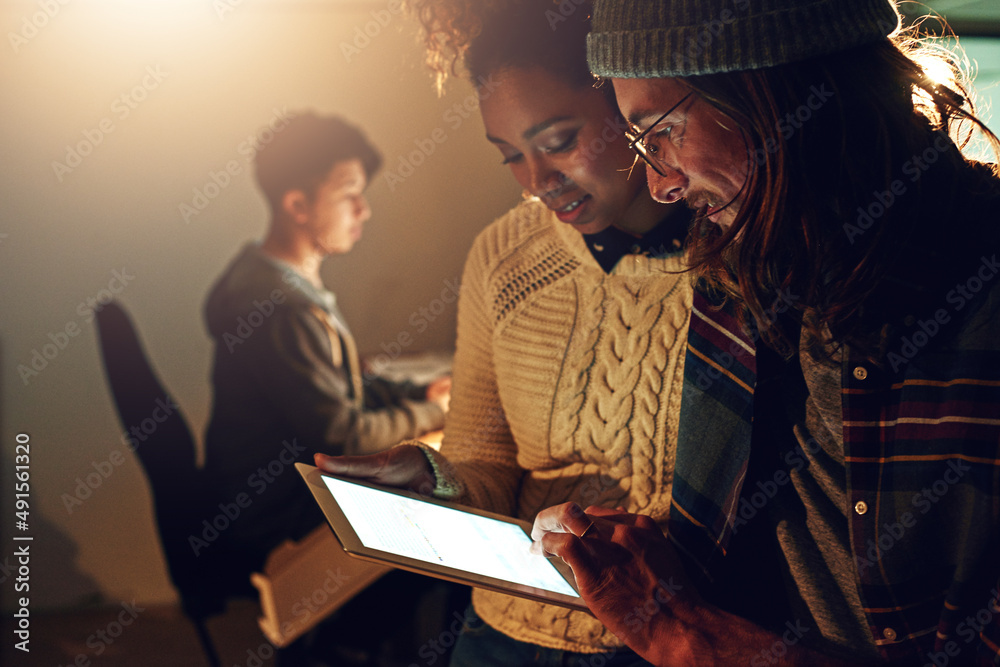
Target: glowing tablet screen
444 536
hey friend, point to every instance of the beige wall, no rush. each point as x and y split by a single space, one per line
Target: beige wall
208 83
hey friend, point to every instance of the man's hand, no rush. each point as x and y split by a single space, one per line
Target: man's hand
631 578
403 466
439 392
627 572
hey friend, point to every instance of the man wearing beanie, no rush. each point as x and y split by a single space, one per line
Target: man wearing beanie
836 494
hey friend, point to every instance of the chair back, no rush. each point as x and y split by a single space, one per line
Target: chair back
163 442
159 433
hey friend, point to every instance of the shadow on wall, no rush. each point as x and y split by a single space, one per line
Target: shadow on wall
44 589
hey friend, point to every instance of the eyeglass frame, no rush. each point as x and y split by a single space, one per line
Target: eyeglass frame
635 142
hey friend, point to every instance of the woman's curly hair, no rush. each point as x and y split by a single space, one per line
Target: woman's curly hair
448 28
481 36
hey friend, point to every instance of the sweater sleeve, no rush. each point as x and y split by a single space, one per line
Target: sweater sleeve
477 463
294 366
381 392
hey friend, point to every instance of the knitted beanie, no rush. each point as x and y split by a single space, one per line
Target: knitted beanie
666 38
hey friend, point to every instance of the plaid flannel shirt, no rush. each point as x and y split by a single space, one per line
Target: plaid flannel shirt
922 456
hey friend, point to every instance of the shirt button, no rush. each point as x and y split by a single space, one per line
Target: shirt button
598 247
636 250
861 507
889 634
909 320
861 372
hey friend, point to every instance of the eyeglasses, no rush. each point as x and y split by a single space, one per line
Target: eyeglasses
648 151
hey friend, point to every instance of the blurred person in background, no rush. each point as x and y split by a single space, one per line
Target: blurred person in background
286 374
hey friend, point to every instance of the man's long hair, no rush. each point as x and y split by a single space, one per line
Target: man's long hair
837 149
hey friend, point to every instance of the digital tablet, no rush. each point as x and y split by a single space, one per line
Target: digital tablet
440 539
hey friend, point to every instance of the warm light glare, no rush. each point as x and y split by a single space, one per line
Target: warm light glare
939 71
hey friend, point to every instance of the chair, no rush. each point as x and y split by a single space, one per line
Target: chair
167 452
298 570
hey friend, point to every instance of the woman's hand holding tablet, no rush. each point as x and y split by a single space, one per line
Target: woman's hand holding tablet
402 467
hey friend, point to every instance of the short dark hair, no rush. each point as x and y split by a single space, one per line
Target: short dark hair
303 152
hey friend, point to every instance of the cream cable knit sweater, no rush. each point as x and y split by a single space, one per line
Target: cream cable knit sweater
567 386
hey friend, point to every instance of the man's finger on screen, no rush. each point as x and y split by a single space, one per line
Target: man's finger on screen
564 518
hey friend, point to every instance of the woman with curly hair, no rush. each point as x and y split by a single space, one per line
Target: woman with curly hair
572 320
